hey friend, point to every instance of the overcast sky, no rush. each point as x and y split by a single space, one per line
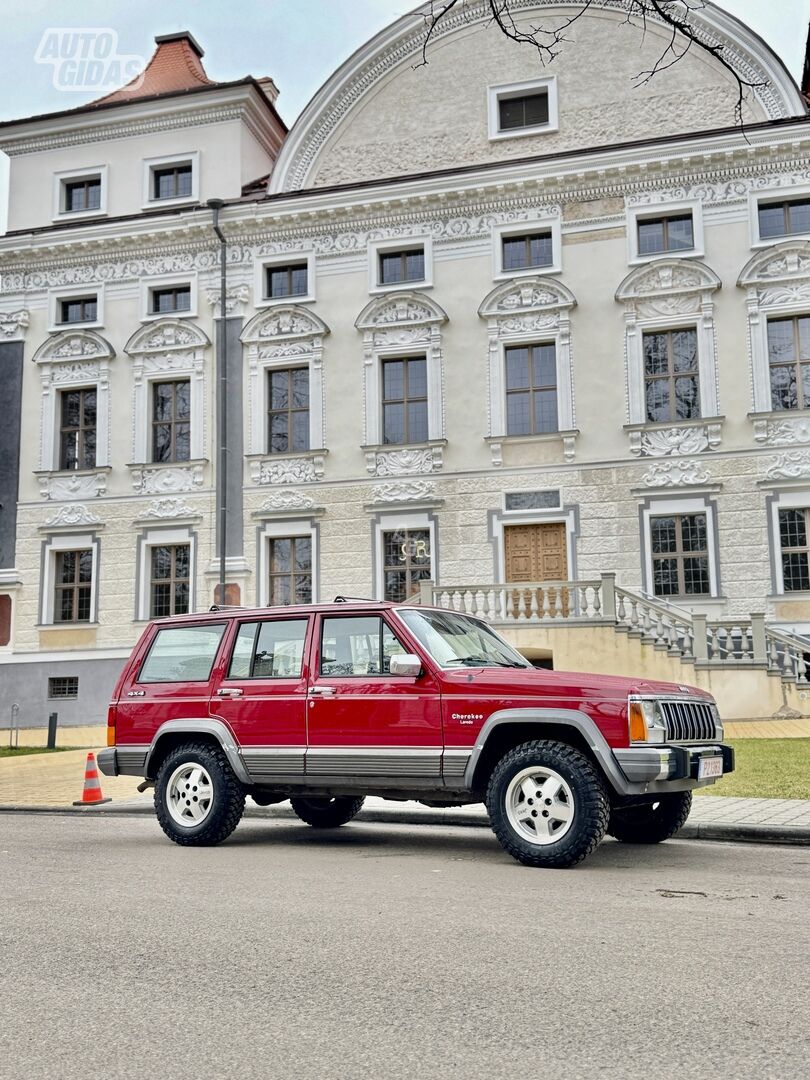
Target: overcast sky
298 42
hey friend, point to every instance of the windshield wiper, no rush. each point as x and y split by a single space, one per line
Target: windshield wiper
483 661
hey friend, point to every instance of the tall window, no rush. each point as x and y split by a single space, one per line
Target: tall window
77 437
671 384
288 420
404 400
171 299
523 252
82 194
172 182
290 570
528 110
289 280
78 309
169 585
406 562
680 555
171 420
531 389
793 533
789 358
74 583
658 235
401 266
783 218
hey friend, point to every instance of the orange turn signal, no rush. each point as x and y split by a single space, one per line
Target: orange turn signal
638 725
110 735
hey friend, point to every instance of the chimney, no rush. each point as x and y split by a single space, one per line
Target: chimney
269 88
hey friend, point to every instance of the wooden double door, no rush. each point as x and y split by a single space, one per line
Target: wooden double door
536 553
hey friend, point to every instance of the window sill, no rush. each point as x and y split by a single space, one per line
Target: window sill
568 439
522 133
401 286
528 271
167 477
404 459
291 467
774 241
675 438
67 626
684 253
281 301
79 215
154 316
60 327
175 200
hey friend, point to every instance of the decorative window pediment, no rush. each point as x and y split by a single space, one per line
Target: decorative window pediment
166 336
74 345
404 309
283 323
527 304
668 287
779 274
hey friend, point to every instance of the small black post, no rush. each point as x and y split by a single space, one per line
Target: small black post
52 730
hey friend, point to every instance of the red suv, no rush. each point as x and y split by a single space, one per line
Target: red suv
328 703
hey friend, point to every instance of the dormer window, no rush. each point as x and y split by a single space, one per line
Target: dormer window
528 108
169 180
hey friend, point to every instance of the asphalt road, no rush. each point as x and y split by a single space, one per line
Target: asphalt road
388 952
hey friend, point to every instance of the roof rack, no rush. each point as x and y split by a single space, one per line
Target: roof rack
226 607
354 599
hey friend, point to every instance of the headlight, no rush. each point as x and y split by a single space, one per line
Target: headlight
646 721
718 723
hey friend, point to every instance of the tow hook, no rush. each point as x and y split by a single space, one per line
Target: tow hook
144 784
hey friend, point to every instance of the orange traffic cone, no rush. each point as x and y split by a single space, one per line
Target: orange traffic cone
91 796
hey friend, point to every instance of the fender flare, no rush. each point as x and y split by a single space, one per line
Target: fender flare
202 726
572 718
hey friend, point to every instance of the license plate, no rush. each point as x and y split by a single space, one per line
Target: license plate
710 766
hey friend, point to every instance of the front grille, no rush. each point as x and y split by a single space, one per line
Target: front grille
688 721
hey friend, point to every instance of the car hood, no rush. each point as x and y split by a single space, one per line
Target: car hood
539 682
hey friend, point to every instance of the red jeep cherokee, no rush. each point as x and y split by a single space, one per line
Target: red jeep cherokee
328 703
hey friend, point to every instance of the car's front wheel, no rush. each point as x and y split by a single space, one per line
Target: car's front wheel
651 822
198 799
547 804
327 813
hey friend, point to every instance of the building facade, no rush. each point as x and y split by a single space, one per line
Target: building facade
486 323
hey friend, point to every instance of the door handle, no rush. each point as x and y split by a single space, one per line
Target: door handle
228 691
322 691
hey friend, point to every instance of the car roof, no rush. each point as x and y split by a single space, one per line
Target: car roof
216 614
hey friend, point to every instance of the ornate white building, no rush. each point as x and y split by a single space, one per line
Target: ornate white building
487 322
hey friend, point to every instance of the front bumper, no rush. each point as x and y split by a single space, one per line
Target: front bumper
671 763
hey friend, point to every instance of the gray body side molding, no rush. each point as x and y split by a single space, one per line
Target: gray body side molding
203 726
567 717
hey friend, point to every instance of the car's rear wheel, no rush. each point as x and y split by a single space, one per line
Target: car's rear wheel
651 822
547 804
198 800
327 813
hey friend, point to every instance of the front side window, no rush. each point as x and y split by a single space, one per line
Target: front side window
671 384
290 570
171 182
406 562
357 646
78 309
182 654
170 580
169 300
77 436
401 266
531 389
789 361
171 420
783 218
74 583
404 400
289 280
455 640
288 414
273 649
680 555
525 111
82 195
527 251
659 235
793 533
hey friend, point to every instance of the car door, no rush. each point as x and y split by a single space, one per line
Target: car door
363 721
261 694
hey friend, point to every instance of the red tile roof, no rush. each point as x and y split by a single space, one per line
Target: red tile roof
176 64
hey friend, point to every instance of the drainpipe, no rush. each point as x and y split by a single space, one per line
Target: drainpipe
222 388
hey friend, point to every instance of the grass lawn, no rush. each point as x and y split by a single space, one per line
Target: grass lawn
767 769
18 751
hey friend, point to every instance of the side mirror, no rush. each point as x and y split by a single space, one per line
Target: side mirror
406 664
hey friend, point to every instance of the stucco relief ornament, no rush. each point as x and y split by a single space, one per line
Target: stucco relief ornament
404 336
13 323
73 515
402 462
675 442
527 323
75 372
669 305
167 481
77 345
168 508
788 432
793 465
168 337
236 296
289 471
675 473
527 296
785 294
64 488
402 310
286 323
288 500
789 262
404 491
667 277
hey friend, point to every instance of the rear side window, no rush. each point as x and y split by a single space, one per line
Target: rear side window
269 650
182 654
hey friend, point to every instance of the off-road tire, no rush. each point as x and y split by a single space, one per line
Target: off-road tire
590 804
327 813
652 822
228 801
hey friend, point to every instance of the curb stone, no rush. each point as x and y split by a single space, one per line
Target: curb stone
727 832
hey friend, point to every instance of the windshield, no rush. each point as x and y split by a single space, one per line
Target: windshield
455 640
